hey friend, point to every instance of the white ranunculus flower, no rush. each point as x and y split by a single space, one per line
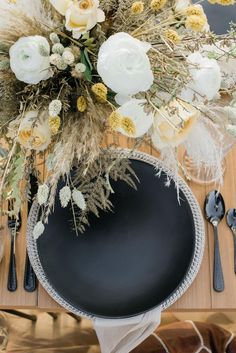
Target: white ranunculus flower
224 59
124 66
28 60
81 15
206 79
134 111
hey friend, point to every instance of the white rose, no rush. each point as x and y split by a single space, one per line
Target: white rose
28 60
81 15
173 124
205 79
34 131
124 65
140 120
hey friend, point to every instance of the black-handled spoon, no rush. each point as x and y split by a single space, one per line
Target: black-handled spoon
231 221
214 212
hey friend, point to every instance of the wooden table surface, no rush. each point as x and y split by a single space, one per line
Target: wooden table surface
200 297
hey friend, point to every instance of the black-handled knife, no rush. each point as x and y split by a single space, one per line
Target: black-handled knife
14 225
30 280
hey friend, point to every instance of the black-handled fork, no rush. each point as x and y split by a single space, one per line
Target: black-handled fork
14 224
30 280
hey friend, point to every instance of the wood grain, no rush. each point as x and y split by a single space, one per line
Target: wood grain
199 297
20 298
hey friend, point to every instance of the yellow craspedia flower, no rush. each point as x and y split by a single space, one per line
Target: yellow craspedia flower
128 126
81 104
226 2
137 8
172 36
195 23
54 123
114 120
100 91
212 1
194 10
157 5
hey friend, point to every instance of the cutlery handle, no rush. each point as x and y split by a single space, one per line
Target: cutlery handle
30 280
218 278
234 235
12 276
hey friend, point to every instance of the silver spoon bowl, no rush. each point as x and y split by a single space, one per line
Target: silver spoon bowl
231 221
214 212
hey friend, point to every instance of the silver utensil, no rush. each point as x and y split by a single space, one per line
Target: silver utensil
231 221
14 224
214 212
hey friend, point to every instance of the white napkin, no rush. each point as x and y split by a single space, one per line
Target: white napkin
123 335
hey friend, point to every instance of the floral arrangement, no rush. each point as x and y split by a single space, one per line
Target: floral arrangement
73 70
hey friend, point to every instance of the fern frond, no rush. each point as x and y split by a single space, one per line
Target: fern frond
95 185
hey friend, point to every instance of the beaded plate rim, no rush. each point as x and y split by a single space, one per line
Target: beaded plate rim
199 234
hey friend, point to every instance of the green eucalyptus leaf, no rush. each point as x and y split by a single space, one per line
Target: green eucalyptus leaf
88 59
85 60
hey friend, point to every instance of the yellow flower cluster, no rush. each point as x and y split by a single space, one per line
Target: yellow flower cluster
195 23
117 121
81 104
196 19
100 91
137 7
157 5
172 36
194 10
114 120
222 2
54 123
128 126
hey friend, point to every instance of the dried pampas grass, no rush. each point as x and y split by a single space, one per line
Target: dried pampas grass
205 147
24 18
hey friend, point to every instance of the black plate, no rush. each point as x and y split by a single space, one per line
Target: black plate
128 261
219 17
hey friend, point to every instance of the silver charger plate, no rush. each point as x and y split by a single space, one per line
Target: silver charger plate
198 248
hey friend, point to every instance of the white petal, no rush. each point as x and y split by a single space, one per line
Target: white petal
77 34
135 111
122 98
181 5
206 78
61 5
100 15
124 65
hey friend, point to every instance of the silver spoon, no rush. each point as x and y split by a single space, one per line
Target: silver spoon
215 211
231 221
